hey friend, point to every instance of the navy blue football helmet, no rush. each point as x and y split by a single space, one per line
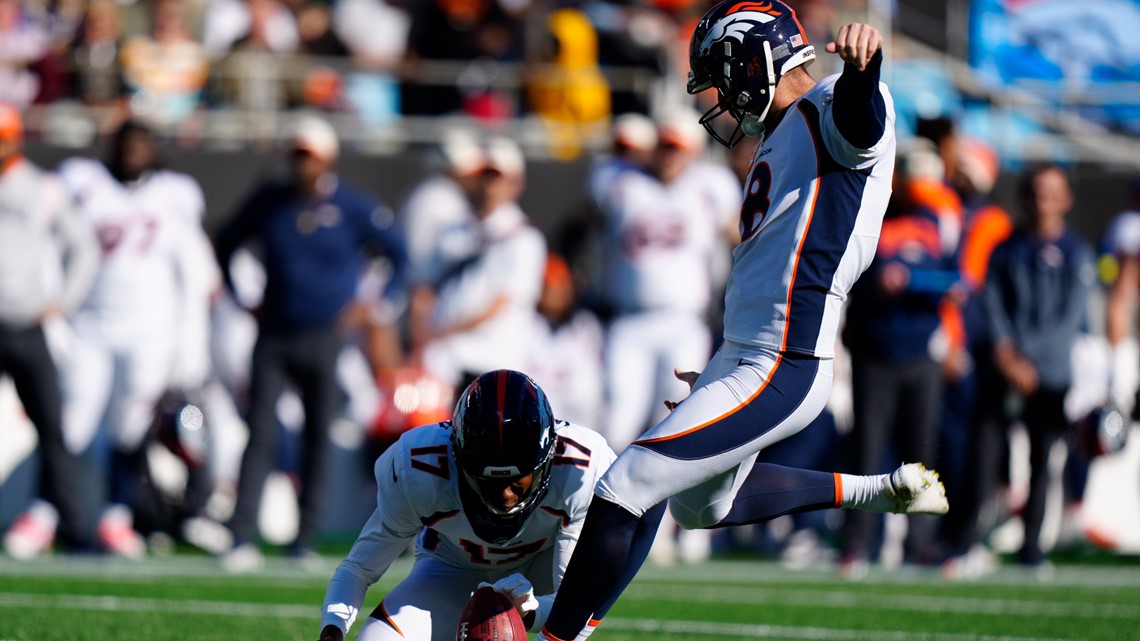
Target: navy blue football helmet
502 430
726 40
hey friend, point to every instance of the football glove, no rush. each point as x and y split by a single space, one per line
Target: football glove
518 590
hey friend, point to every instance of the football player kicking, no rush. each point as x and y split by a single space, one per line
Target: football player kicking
813 205
497 495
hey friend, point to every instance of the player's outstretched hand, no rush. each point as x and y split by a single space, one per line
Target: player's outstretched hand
331 633
856 43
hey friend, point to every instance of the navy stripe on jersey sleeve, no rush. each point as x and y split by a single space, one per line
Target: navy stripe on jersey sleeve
860 112
826 237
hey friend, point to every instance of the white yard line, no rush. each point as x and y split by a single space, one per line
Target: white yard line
224 608
755 573
798 632
853 599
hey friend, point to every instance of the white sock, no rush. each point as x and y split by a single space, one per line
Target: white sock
866 492
588 630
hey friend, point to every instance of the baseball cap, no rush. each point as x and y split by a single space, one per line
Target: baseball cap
11 125
316 136
504 156
634 131
681 128
461 153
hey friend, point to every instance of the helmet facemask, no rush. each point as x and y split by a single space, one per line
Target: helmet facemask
502 431
479 493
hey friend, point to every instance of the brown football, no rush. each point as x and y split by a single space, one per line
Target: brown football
489 616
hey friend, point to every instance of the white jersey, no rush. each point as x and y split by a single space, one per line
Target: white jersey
418 498
48 254
498 257
660 240
433 206
809 228
155 255
566 362
719 189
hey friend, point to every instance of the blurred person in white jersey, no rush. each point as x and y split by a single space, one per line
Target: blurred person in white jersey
442 199
48 258
472 306
144 328
662 228
814 203
567 344
633 137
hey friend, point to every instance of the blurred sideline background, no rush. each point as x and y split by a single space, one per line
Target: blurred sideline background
1037 80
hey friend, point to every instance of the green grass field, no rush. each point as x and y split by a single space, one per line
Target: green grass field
187 597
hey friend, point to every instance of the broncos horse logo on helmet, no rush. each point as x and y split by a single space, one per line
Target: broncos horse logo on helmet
502 432
724 44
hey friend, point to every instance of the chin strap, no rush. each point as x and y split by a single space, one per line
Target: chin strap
753 124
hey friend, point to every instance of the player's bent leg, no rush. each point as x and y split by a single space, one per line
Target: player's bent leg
425 606
379 626
701 454
772 490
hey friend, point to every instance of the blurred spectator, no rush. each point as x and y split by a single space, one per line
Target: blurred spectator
567 90
313 231
249 25
566 353
443 198
376 35
64 18
892 333
1036 300
472 312
375 31
254 74
315 30
631 34
48 258
95 55
476 32
143 329
986 225
662 228
1123 272
24 42
165 70
633 138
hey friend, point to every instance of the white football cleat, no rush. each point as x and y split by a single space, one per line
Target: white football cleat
207 534
243 558
916 490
